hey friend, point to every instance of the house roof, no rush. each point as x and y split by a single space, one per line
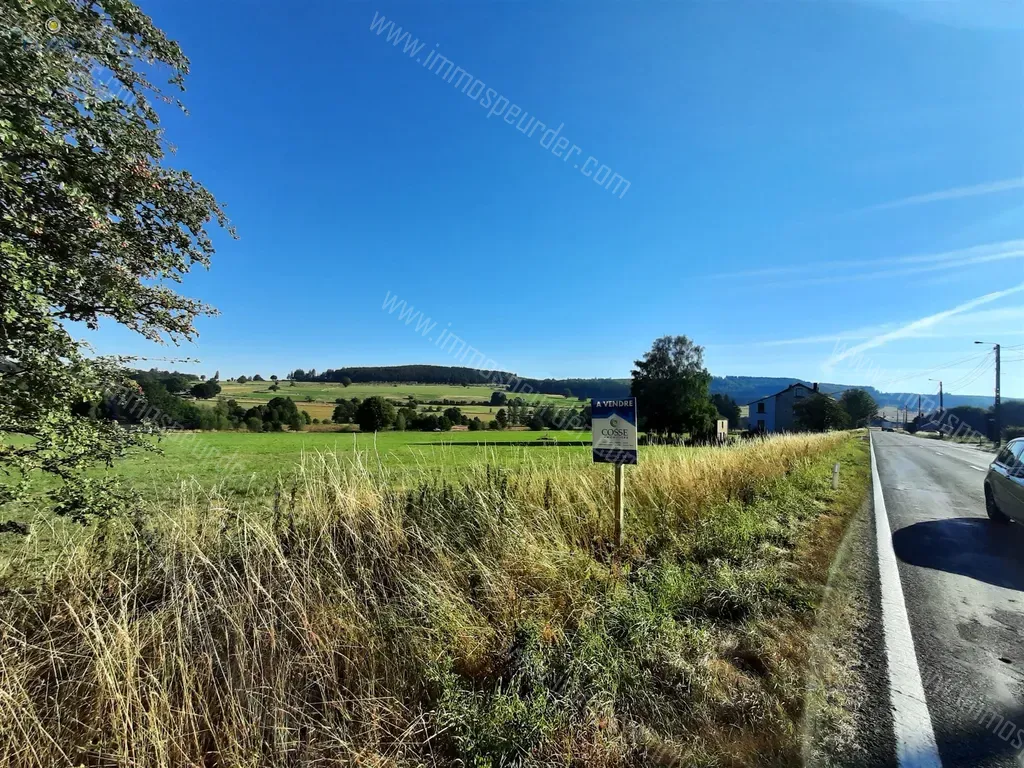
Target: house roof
808 387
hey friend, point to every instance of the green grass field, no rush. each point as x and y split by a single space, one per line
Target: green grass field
246 463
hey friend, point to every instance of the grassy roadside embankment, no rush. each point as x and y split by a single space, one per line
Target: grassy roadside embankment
482 619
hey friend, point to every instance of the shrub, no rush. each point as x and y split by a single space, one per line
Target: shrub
1009 433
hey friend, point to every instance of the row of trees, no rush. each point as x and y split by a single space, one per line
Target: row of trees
970 419
377 413
820 413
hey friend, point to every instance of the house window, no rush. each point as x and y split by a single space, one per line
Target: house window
760 407
799 394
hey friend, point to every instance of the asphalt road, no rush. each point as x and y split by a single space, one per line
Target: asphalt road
963 584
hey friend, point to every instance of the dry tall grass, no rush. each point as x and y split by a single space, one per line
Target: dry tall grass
485 621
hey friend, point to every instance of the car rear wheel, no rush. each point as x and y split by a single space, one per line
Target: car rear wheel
993 511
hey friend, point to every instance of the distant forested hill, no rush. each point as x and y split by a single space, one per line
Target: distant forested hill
742 389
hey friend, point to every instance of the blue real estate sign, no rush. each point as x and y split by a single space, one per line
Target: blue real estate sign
614 425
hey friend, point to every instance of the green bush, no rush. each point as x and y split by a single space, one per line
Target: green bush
1009 433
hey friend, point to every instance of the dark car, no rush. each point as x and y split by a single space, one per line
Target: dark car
1004 484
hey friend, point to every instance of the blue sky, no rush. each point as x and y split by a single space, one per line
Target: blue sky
831 191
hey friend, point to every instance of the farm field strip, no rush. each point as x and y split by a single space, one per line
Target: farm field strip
260 392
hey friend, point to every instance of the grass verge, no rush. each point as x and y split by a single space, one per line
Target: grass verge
481 621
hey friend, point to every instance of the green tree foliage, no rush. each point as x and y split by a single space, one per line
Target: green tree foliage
346 381
242 379
273 387
860 406
455 416
727 409
502 418
536 422
375 414
1011 411
819 413
94 226
967 417
344 412
671 387
498 398
204 390
277 414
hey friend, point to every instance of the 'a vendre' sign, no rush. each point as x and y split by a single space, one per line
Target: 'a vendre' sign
614 430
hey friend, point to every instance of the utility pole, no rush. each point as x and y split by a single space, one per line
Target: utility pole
999 405
919 414
941 408
996 410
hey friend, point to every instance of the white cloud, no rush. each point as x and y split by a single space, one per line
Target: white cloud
922 324
1010 321
977 254
956 193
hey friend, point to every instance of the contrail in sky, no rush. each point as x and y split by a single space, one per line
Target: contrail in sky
918 325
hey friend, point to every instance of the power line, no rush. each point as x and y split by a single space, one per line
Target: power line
943 366
983 366
986 369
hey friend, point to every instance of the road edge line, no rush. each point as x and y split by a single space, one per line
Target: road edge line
912 724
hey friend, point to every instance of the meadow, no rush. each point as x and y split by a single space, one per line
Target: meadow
399 605
318 399
246 463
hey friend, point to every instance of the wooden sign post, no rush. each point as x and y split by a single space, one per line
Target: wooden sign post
614 441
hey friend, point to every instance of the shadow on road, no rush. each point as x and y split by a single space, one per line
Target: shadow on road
984 735
970 546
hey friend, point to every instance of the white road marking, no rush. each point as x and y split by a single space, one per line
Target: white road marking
980 469
915 739
939 453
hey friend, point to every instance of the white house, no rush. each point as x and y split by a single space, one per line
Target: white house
774 413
